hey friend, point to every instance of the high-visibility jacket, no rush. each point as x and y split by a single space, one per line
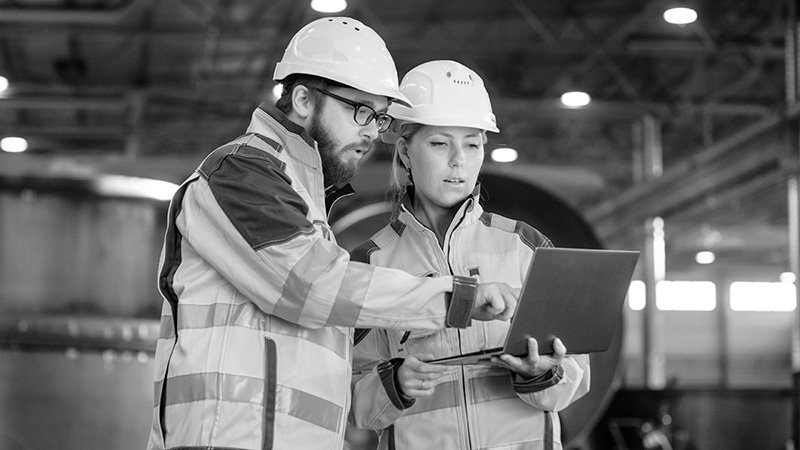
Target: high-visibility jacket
475 406
256 328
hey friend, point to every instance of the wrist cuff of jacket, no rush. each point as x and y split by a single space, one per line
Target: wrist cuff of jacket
540 382
461 301
387 371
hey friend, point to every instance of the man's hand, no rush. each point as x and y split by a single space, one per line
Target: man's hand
495 301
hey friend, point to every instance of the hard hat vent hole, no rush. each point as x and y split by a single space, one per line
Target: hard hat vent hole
358 29
463 82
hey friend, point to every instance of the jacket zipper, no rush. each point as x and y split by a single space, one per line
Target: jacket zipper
468 434
446 255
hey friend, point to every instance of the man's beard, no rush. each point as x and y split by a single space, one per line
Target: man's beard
335 171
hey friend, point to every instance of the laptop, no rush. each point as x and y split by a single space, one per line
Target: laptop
574 294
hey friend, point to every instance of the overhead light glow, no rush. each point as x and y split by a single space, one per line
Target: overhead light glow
680 16
13 144
3 83
277 90
787 277
504 154
135 187
575 99
705 257
328 6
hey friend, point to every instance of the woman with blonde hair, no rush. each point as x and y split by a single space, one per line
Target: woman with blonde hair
440 228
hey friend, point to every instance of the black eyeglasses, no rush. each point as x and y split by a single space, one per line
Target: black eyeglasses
363 114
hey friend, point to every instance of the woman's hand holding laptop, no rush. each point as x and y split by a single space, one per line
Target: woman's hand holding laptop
534 364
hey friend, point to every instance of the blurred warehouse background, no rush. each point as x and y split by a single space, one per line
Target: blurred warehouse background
684 145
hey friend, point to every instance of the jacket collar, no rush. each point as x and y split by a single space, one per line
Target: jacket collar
269 118
270 121
333 194
469 211
280 119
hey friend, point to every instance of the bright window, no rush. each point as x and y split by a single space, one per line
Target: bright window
676 295
763 296
636 295
686 296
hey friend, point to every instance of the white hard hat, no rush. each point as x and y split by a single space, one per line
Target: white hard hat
445 93
343 50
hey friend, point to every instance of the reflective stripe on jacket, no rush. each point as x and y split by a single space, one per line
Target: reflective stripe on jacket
475 407
256 328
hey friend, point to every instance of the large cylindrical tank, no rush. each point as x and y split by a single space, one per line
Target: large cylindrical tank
78 315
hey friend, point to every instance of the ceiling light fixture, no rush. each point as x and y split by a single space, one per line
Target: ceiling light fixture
328 6
504 154
13 144
705 257
680 16
3 83
575 99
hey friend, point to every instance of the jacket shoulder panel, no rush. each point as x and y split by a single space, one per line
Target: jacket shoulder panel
256 194
532 237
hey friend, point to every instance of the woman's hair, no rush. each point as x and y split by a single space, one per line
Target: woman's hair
401 176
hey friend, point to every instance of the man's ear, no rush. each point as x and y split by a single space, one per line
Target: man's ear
302 103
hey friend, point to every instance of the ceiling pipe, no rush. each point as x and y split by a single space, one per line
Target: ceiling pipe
688 180
535 23
72 131
84 16
681 48
624 110
65 103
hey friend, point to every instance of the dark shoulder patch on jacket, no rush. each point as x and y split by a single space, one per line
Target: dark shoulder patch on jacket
257 196
271 142
398 227
362 251
532 237
359 335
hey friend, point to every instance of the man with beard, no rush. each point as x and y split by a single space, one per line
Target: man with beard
259 301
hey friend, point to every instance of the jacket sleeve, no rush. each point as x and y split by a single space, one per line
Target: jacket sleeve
377 402
568 385
242 216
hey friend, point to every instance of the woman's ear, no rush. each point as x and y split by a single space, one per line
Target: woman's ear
402 152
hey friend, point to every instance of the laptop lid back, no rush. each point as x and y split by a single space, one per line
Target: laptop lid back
576 295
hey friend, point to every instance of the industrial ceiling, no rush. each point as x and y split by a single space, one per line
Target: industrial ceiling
148 87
